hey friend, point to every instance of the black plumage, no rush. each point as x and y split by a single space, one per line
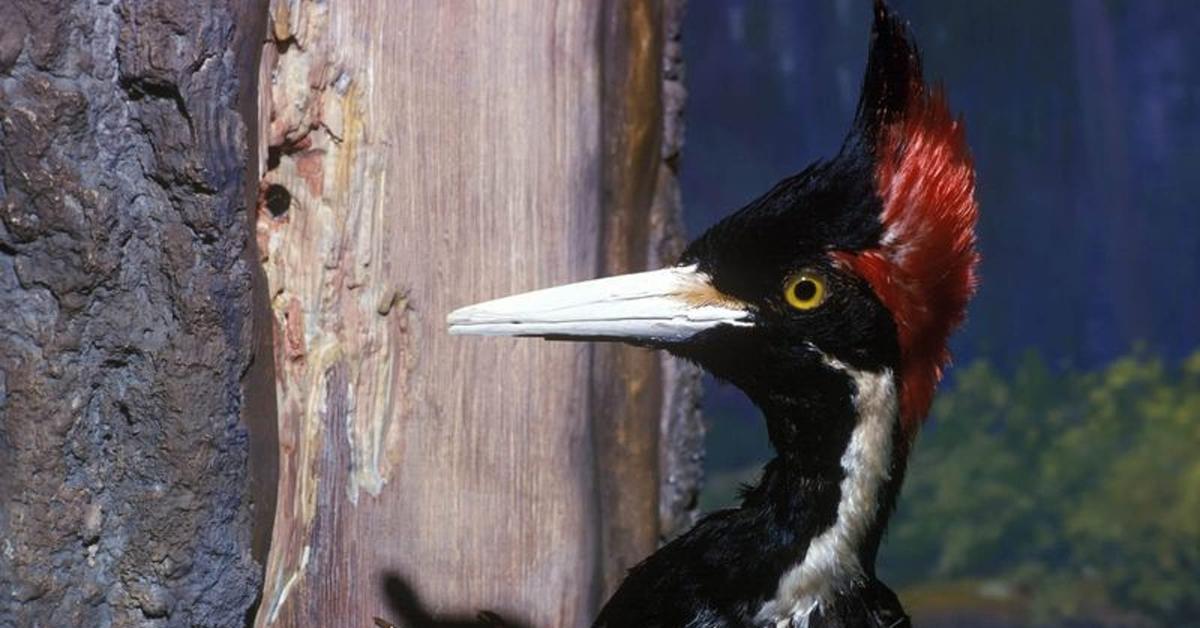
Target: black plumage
722 571
881 240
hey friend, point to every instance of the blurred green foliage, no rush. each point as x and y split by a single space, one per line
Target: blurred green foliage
1076 495
1083 489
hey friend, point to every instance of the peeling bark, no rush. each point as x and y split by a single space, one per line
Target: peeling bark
127 329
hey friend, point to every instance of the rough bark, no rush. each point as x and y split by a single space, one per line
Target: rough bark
681 427
126 298
422 156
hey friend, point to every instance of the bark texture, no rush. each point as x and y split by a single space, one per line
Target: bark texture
126 331
420 157
681 426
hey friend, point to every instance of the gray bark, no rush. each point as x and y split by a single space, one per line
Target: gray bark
126 314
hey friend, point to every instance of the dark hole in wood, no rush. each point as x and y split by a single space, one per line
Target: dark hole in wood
274 154
278 200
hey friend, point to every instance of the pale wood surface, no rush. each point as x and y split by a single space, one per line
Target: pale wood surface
437 154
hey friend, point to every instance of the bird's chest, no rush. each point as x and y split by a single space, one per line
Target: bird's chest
858 613
808 593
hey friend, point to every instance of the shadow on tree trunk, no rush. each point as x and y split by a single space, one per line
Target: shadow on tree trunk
408 608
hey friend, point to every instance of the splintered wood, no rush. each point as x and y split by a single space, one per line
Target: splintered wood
418 157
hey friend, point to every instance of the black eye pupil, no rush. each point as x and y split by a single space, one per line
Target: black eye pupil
805 290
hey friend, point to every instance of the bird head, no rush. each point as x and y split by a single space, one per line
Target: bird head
864 262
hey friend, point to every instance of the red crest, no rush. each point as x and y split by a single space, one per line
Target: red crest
924 270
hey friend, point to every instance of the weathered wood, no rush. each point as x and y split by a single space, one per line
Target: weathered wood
434 154
125 314
647 429
422 156
626 383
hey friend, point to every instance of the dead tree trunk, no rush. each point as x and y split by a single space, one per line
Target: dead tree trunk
126 314
646 426
421 156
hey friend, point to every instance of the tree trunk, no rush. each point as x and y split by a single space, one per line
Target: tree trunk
646 424
420 157
126 337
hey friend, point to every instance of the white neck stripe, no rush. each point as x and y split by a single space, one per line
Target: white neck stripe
831 561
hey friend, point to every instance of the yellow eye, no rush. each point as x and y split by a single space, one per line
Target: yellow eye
804 290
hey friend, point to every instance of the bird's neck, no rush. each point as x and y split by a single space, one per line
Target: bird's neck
834 483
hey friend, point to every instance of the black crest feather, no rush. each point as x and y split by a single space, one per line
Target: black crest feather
893 70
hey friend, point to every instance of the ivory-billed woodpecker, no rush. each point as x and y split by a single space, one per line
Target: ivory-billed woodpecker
828 301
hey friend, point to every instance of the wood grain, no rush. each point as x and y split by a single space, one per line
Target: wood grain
419 157
626 385
447 153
